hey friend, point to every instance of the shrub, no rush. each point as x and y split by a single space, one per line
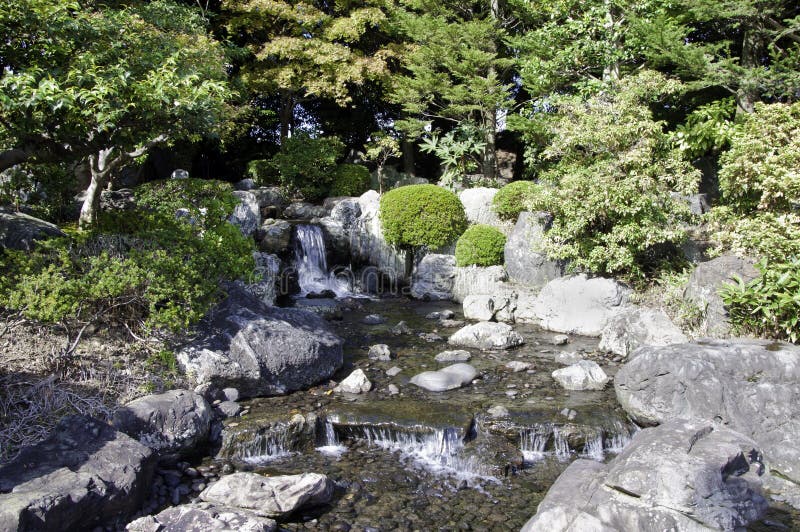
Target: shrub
146 268
513 198
418 216
350 180
480 245
769 305
306 165
262 172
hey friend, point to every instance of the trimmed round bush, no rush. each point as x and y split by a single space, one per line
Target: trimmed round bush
350 180
417 216
513 198
480 245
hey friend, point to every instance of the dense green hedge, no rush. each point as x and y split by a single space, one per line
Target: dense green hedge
350 180
512 199
421 216
480 245
307 165
146 267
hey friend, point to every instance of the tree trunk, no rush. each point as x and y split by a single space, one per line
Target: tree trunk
611 71
408 157
490 151
13 157
753 50
287 115
100 167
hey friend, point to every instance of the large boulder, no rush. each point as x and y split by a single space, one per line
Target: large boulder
337 226
634 327
477 204
679 476
582 375
702 290
246 215
173 423
271 201
261 350
750 386
477 280
274 236
484 307
487 335
303 211
270 496
433 277
265 282
525 261
85 474
367 243
202 517
580 305
20 231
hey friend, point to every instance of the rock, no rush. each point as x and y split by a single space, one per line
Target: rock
579 305
477 204
568 358
373 319
459 355
393 389
85 474
517 365
582 375
441 315
261 350
337 226
451 324
357 382
431 337
275 236
635 326
488 308
702 290
245 184
679 476
201 517
476 280
401 328
20 231
380 352
173 423
265 282
303 211
270 496
433 277
394 371
246 215
368 246
271 201
486 335
117 200
230 394
448 378
179 173
229 408
324 294
750 386
498 411
559 339
525 259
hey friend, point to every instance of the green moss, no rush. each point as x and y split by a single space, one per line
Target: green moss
350 180
421 216
480 245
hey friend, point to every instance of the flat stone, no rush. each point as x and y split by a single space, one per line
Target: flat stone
394 371
516 366
583 375
458 355
487 335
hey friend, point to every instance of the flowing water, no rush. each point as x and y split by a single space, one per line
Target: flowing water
312 264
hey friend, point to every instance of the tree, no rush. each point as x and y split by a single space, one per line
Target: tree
380 148
81 81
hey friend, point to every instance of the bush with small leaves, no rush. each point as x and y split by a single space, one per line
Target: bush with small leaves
480 245
350 180
513 199
306 165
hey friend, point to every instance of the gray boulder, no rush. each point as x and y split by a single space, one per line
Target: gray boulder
85 474
477 204
367 244
582 375
275 236
458 355
270 496
750 386
679 476
525 261
634 327
20 231
380 352
476 280
580 305
179 173
246 215
702 290
337 226
245 184
484 307
448 378
303 211
173 423
261 350
202 517
433 277
486 335
271 201
264 283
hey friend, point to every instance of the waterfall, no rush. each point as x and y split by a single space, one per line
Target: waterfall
312 265
331 445
533 443
593 448
264 447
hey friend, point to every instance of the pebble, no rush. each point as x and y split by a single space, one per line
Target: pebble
393 389
393 371
559 339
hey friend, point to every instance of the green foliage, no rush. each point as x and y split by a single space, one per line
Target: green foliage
459 150
480 245
306 165
350 180
709 128
514 198
614 178
262 172
47 190
146 267
769 305
417 216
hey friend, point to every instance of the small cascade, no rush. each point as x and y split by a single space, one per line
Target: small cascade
331 445
440 452
533 444
617 442
312 265
561 445
593 448
264 447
